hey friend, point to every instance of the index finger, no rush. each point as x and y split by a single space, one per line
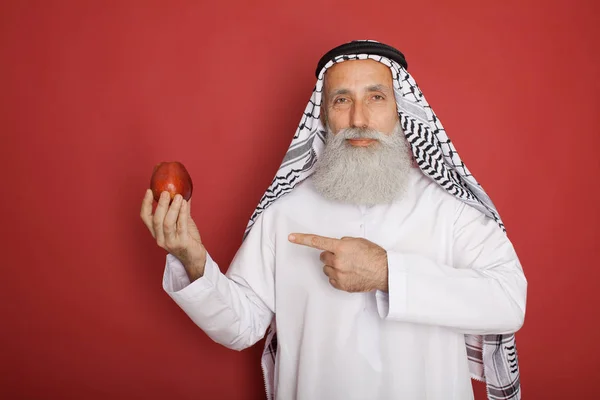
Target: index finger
315 241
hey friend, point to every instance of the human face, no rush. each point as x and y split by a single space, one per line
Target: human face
359 94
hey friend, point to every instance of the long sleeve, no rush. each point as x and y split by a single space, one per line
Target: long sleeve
483 292
233 309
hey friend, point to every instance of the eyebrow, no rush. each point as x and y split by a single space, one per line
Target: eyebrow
372 88
337 92
378 88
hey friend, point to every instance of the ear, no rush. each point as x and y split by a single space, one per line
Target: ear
323 116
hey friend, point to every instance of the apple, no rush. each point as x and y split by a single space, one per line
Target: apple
172 177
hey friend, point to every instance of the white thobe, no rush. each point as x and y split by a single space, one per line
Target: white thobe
452 272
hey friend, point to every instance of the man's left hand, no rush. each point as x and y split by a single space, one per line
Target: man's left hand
351 264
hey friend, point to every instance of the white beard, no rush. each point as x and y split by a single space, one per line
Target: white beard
376 174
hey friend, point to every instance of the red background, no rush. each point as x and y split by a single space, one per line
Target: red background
95 93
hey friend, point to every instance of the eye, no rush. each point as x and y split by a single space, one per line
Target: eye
341 100
378 97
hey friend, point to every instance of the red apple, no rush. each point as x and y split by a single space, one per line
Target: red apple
171 177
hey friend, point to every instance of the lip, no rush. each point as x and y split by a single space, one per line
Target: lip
360 142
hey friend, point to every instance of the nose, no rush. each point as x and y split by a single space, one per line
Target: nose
359 116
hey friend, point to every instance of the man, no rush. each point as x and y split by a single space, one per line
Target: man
377 263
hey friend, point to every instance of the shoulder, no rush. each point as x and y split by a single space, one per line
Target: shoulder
442 204
302 197
299 197
429 191
462 213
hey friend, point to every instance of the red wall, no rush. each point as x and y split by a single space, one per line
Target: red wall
95 93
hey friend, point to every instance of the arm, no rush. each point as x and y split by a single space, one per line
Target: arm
483 292
233 309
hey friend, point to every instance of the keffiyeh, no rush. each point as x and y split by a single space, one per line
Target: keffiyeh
492 358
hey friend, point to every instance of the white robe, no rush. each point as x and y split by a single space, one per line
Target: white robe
452 271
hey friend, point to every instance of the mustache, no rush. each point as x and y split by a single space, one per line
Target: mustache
361 133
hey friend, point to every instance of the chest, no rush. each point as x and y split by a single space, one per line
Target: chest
300 280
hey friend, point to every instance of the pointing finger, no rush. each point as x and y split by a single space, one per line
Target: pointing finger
315 241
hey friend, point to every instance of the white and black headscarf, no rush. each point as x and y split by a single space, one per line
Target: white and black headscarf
492 358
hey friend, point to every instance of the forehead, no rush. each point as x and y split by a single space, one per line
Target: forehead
356 73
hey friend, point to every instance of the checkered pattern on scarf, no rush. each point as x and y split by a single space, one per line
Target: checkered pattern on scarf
492 358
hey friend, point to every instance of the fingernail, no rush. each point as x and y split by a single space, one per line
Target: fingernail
292 238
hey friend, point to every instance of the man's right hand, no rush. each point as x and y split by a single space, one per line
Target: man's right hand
175 231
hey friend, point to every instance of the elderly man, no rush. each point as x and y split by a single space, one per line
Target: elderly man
375 261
